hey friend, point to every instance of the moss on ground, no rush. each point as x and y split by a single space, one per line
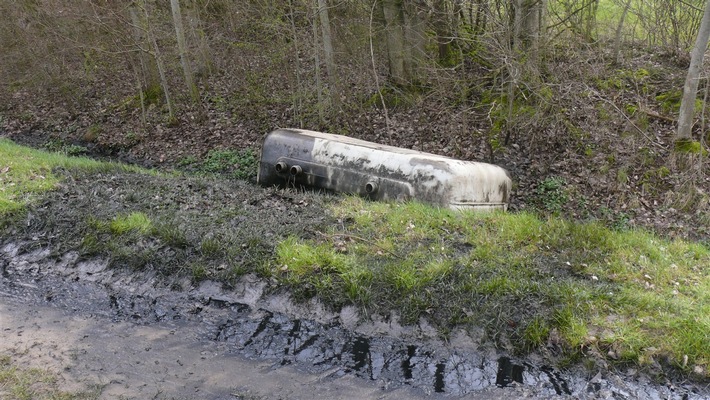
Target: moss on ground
687 146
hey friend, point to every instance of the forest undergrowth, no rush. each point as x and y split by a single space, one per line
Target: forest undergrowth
591 140
592 160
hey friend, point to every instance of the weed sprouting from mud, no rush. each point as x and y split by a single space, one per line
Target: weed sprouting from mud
172 234
136 221
20 383
240 164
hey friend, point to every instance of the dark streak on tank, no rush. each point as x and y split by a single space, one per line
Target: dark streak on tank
305 159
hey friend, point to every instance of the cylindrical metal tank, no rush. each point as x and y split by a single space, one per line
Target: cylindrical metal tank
295 157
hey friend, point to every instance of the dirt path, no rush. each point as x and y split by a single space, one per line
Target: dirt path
164 361
118 334
125 335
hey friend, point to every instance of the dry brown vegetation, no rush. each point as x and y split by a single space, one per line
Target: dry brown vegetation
585 133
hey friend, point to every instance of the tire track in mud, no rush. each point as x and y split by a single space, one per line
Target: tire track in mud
240 325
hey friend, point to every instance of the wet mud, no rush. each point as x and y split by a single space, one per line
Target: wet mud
246 323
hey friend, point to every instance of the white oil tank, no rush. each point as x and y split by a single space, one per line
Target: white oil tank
301 158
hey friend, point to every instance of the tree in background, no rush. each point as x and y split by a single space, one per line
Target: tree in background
182 50
527 21
199 36
444 25
148 73
619 30
690 89
580 16
327 37
492 58
404 30
159 61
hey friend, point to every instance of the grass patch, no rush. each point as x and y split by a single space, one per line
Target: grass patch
240 164
199 227
26 173
626 293
135 221
18 383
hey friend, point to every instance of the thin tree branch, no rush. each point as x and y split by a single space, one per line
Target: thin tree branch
600 97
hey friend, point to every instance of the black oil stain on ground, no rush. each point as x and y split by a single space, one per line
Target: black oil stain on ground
439 378
360 350
557 381
407 363
262 326
508 372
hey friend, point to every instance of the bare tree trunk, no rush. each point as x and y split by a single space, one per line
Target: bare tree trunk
405 38
182 48
376 75
298 99
527 21
619 28
524 35
316 59
414 19
159 62
328 51
590 20
513 63
148 69
442 28
141 95
531 29
479 26
690 89
198 32
392 11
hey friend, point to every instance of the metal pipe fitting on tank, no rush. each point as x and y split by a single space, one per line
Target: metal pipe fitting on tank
296 170
371 187
281 167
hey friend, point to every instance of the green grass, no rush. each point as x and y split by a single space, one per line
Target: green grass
25 173
19 383
626 293
527 281
133 240
239 164
135 221
636 27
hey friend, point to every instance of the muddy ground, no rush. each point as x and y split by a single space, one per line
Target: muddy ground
122 336
130 316
159 361
117 334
